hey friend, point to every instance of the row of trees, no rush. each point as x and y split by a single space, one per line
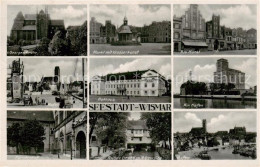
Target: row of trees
26 135
200 88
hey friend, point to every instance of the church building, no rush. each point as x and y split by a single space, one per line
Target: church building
32 27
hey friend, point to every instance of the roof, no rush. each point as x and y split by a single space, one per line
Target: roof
46 116
124 29
191 43
57 22
126 75
30 16
29 27
18 21
47 79
137 124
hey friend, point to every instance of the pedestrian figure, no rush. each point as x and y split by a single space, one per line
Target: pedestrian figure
30 101
132 150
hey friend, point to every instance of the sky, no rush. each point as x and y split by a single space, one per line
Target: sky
134 116
216 121
232 16
35 68
103 66
203 69
137 15
71 14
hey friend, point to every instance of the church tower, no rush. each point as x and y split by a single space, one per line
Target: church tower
42 24
204 125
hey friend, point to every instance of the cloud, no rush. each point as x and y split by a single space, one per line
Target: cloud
137 15
229 15
102 70
165 70
216 121
70 14
35 69
192 117
231 120
249 68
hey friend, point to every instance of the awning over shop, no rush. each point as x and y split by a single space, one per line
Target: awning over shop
194 43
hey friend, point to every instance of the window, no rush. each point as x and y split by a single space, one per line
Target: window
140 138
153 92
145 85
153 84
145 92
176 35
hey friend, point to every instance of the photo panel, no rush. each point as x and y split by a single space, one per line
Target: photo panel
128 29
216 82
47 83
46 135
130 136
216 135
130 84
47 30
215 29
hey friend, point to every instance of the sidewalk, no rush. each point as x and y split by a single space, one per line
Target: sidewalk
102 156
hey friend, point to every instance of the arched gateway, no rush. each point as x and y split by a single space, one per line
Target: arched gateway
81 144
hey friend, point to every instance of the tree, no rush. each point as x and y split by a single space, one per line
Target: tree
213 142
13 136
229 87
31 135
194 88
58 45
159 125
42 49
109 127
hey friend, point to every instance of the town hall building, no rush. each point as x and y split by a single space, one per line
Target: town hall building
134 83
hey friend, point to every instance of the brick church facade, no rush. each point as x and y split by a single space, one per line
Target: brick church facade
35 26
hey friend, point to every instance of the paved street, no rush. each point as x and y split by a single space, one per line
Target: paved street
102 155
228 52
131 99
143 49
42 156
50 99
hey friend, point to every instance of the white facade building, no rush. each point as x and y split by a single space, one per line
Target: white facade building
135 83
137 134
